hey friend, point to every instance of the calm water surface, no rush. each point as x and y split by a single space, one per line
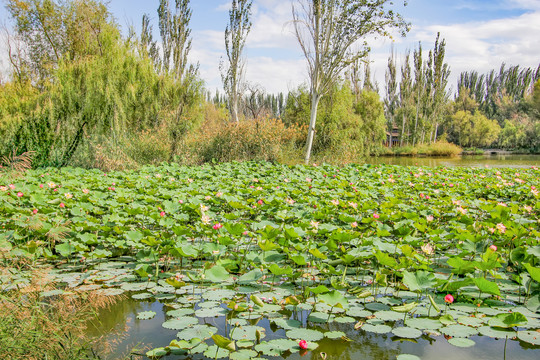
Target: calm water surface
512 161
126 332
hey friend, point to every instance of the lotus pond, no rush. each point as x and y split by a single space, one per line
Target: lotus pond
255 260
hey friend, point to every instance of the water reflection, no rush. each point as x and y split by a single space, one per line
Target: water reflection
513 161
121 327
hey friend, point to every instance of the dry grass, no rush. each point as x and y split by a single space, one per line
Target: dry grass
261 140
33 327
13 165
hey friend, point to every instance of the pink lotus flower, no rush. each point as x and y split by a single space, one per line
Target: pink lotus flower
41 186
429 218
493 247
217 226
62 205
12 187
354 224
260 202
303 344
162 214
35 211
448 299
245 233
376 216
20 194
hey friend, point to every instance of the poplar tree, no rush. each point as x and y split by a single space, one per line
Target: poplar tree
391 99
327 30
236 34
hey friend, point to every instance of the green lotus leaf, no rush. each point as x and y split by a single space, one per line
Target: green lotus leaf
249 333
250 276
276 347
419 281
470 321
244 354
459 331
424 323
180 323
531 337
287 324
305 334
157 353
375 306
507 320
407 332
215 352
378 329
461 342
487 286
201 332
217 274
146 315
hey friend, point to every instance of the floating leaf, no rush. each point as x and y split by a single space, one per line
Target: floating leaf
407 332
508 320
378 329
180 323
459 331
531 337
305 334
461 342
146 315
201 332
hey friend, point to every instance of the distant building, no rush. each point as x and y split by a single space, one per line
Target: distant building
395 136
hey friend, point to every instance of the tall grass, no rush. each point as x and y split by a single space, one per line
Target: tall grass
260 139
440 148
35 328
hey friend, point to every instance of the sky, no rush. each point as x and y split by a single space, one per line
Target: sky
479 35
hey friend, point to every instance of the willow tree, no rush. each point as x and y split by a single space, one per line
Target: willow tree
327 31
236 33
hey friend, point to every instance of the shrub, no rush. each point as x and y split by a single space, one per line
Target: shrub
260 139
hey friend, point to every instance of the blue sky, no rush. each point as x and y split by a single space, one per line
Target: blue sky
480 35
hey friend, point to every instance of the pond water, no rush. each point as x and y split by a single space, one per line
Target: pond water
126 332
509 160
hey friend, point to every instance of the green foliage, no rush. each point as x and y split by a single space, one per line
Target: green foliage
88 105
473 130
347 128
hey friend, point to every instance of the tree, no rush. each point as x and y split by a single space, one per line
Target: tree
236 33
391 99
175 37
54 30
327 30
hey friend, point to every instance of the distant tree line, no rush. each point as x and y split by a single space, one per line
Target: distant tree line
80 93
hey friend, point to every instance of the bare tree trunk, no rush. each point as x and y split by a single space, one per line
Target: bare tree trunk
311 131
